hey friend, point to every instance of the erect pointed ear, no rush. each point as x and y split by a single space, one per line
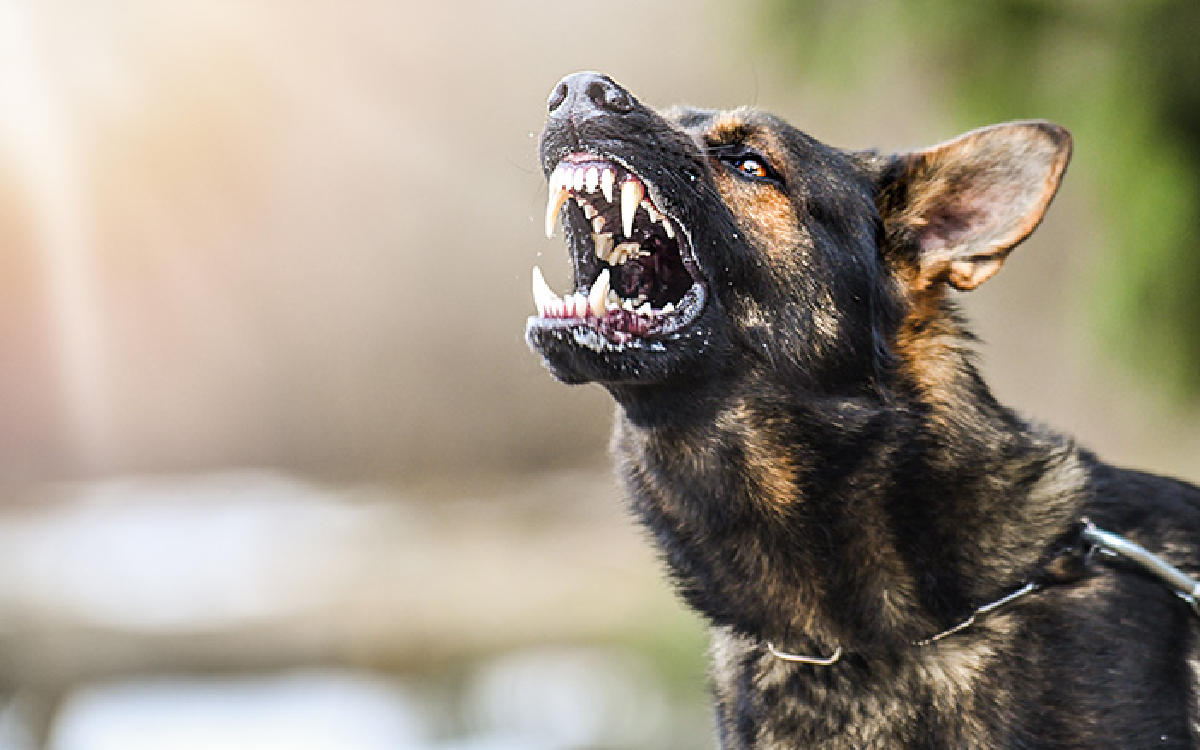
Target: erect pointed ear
966 203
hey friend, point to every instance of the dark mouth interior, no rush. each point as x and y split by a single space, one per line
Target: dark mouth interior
633 270
655 274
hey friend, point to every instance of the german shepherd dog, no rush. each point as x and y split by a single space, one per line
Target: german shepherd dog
887 557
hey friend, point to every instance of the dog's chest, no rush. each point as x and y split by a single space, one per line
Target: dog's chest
764 703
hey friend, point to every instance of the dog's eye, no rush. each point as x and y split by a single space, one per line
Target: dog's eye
747 162
753 167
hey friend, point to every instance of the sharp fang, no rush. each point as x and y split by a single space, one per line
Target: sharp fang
543 296
599 294
591 180
608 179
558 196
604 245
632 193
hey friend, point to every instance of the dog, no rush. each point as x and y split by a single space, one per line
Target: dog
886 555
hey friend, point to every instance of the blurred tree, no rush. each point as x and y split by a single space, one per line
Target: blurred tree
1123 76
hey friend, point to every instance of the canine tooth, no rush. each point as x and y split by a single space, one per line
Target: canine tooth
632 193
604 245
578 179
558 196
624 252
543 296
591 180
598 294
608 179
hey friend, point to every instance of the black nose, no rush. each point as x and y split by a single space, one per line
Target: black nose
585 95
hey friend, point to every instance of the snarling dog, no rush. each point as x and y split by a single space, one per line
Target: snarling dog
887 556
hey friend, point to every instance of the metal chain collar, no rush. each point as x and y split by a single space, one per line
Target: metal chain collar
1094 538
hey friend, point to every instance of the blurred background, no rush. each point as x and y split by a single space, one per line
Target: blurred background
276 468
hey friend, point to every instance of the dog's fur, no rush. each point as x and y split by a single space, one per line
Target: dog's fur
824 468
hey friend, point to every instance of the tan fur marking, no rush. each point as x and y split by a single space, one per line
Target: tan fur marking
771 467
929 345
768 216
731 126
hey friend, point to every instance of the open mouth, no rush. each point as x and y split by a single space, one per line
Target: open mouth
635 275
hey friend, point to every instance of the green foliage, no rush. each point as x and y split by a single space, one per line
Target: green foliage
1123 76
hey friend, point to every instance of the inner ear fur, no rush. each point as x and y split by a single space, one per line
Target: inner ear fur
964 204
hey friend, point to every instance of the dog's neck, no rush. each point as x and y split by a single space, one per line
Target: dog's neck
823 521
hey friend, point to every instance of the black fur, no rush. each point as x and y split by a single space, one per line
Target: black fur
823 467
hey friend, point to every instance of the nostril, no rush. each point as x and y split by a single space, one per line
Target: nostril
607 95
596 92
558 96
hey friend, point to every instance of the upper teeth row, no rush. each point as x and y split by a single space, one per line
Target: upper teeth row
581 178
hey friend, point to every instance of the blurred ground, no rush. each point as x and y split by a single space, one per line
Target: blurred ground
266 406
222 610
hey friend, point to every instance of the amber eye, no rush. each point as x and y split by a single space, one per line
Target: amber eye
748 162
753 167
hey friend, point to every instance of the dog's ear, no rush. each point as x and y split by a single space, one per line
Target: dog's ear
966 203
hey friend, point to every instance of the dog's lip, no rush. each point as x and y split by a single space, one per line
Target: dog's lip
607 190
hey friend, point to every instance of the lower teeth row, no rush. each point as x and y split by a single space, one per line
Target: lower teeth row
598 302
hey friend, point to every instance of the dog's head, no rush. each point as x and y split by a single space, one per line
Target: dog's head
705 242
